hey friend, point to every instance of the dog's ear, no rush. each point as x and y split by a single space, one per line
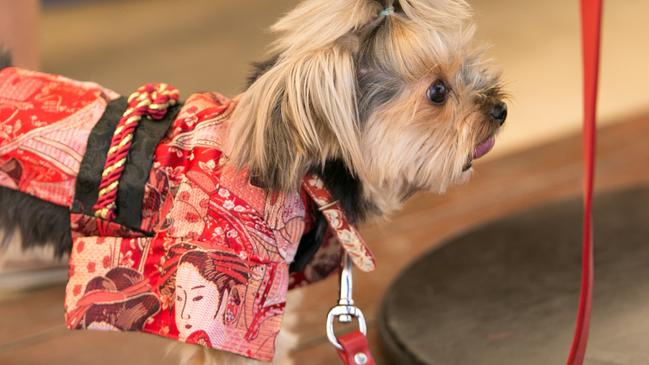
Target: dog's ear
301 111
298 114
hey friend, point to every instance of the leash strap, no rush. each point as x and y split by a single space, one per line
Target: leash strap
591 15
355 350
352 347
349 238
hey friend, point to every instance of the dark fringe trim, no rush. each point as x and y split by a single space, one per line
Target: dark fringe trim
40 223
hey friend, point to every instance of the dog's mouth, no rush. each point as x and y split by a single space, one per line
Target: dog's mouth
480 150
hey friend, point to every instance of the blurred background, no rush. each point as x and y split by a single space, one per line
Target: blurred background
199 45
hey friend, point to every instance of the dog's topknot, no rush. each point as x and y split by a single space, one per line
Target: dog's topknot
440 14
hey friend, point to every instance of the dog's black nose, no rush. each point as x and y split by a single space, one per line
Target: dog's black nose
499 112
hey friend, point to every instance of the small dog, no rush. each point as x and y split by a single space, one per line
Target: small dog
380 99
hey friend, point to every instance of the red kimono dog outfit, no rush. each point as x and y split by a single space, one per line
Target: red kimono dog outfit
194 252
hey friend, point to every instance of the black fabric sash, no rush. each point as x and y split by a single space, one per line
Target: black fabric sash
138 164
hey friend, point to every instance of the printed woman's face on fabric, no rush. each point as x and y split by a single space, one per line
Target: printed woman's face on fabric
197 302
207 295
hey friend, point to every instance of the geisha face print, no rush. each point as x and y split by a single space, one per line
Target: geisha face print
197 303
205 298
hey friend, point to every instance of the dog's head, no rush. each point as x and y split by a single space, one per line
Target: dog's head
392 89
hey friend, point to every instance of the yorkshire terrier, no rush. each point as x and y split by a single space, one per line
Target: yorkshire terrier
379 98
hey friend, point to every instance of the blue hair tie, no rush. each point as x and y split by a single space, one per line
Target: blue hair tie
387 11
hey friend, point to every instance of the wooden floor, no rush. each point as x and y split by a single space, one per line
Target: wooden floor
32 329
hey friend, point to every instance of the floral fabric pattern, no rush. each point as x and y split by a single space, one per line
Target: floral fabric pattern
217 263
45 121
209 263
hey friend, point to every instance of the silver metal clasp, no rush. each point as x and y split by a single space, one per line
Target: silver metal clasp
345 310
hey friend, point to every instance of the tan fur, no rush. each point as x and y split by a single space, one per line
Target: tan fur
428 146
404 145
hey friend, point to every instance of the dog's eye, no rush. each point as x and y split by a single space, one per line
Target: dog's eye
437 92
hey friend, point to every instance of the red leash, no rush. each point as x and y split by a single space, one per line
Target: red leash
591 15
353 347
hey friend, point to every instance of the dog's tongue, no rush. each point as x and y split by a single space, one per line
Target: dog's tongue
484 147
